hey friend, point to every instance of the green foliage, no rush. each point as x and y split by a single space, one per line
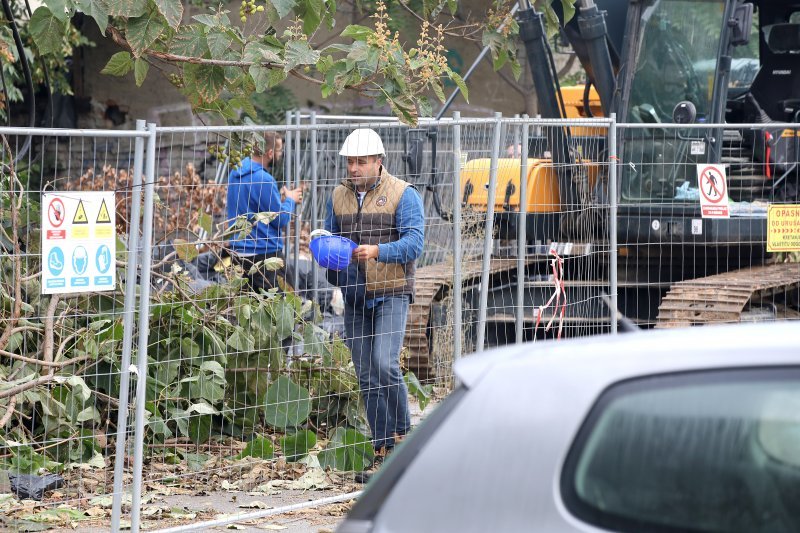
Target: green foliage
287 404
217 367
270 107
220 65
260 448
348 450
56 36
419 391
297 445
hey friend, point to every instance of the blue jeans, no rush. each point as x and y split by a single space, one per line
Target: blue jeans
375 337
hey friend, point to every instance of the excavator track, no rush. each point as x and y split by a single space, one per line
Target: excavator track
433 283
724 297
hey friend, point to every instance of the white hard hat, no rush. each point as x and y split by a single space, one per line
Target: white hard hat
361 142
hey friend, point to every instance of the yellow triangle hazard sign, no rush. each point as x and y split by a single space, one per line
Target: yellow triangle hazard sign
80 214
102 216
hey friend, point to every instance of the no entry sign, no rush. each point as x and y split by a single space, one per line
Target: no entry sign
713 191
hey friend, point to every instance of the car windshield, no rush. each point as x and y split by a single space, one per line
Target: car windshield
676 36
698 452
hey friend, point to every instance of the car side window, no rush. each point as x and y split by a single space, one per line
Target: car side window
701 451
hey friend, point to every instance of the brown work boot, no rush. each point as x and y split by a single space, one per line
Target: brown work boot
377 461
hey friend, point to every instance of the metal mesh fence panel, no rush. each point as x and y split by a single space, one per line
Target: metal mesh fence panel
67 320
694 207
276 348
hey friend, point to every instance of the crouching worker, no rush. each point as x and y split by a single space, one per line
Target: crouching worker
384 216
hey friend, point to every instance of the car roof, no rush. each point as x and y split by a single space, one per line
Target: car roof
618 357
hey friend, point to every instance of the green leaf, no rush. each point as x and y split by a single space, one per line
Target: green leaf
287 404
186 251
259 447
143 31
219 42
206 222
200 429
459 81
98 10
202 408
172 10
425 107
260 53
348 450
421 392
299 53
206 80
276 77
356 32
297 445
284 314
311 13
58 8
47 31
127 8
190 349
568 6
140 68
283 7
189 41
241 341
195 462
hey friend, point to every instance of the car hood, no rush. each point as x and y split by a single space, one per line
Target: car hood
631 354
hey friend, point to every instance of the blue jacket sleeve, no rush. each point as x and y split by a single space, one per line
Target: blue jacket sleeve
268 199
331 224
410 218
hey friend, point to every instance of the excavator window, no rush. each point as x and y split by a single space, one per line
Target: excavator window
679 41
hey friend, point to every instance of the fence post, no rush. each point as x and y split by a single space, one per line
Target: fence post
297 209
522 230
457 290
287 171
314 217
612 223
144 326
488 240
127 325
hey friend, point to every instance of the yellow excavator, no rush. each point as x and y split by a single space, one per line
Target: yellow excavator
647 62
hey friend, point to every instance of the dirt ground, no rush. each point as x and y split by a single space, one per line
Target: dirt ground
176 495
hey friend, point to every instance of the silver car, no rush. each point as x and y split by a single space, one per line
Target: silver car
678 430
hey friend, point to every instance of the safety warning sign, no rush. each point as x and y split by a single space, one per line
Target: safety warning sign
713 191
783 228
78 240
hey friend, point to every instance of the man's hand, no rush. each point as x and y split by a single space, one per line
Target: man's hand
294 194
365 252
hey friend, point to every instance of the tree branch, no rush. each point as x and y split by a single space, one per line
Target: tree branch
9 412
49 329
118 38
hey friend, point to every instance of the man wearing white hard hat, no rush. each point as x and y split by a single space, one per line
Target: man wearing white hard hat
384 216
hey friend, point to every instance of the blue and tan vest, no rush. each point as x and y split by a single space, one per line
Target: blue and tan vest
375 223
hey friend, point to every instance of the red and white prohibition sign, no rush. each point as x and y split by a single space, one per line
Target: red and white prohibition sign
56 212
713 186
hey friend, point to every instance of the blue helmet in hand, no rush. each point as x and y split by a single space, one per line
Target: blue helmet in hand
331 251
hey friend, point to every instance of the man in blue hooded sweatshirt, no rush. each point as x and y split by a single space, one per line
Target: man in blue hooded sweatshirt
252 190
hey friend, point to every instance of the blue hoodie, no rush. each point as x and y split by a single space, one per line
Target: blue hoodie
251 190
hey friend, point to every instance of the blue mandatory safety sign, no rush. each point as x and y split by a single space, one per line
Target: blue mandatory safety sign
80 260
103 259
55 261
103 280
